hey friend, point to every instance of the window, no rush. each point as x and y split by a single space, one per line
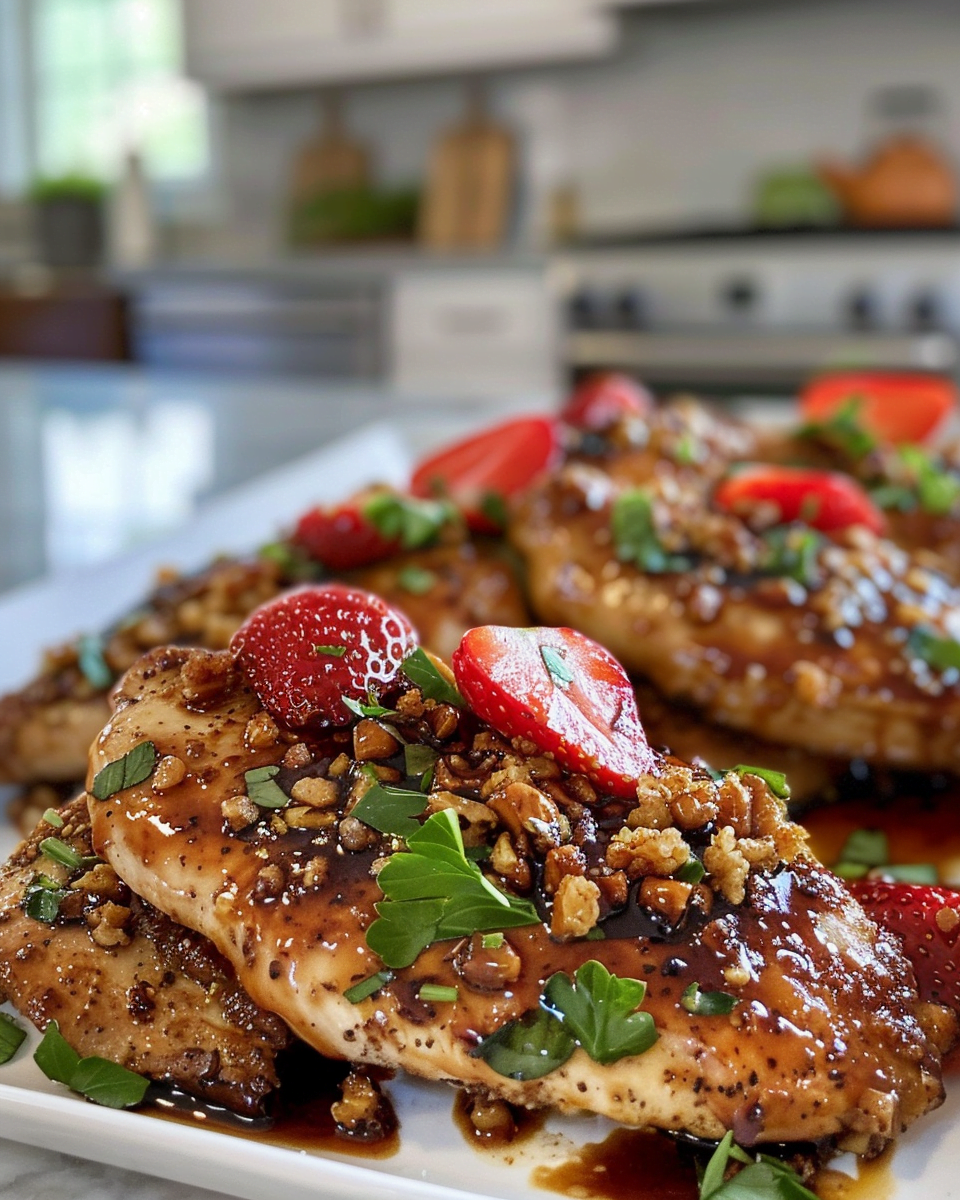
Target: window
107 79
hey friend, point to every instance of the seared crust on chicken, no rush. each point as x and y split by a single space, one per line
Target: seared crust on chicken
826 664
127 984
823 1041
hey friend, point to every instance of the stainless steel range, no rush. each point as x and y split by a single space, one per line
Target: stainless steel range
762 312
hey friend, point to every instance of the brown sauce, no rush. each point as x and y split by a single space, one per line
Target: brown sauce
874 1181
522 1127
629 1164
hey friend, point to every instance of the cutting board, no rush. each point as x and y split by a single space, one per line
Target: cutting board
331 161
466 204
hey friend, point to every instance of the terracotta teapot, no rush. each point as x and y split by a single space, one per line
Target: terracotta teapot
905 182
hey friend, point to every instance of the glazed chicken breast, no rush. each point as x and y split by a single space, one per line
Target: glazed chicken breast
837 645
269 841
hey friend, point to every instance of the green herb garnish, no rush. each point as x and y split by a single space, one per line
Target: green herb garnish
135 766
370 709
294 563
420 670
866 852
90 659
907 872
492 941
263 790
762 1178
529 1047
390 809
635 536
98 1079
12 1035
842 430
433 892
411 522
791 551
416 580
331 651
438 994
707 1004
776 781
692 871
867 846
941 653
42 898
937 490
493 505
52 817
555 663
600 1010
367 987
60 852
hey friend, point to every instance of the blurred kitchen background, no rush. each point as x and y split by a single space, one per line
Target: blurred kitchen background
439 210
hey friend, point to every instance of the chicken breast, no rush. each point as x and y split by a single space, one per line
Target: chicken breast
815 643
126 983
822 1037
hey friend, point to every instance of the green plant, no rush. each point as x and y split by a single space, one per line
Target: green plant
67 187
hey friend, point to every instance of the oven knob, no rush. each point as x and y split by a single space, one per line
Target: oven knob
587 309
862 309
740 295
630 309
924 311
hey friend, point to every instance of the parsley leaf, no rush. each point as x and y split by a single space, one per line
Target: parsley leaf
707 1004
262 789
413 523
941 653
600 1010
842 430
371 709
420 670
98 1079
528 1048
936 489
763 1178
42 898
635 536
776 781
416 580
791 550
493 505
554 661
419 759
692 871
433 892
867 846
12 1034
135 766
390 809
294 563
90 659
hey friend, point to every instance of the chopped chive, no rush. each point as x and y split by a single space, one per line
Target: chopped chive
59 852
52 817
436 992
416 580
492 941
367 987
692 871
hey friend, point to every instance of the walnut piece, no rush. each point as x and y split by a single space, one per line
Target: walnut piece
576 908
647 852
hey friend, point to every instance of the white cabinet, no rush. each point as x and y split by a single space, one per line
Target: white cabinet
473 333
244 44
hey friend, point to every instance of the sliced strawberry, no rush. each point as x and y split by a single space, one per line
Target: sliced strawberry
927 921
600 400
894 406
342 537
562 691
822 499
308 649
481 472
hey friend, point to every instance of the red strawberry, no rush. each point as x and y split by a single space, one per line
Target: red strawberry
308 649
342 537
602 399
927 921
563 692
822 499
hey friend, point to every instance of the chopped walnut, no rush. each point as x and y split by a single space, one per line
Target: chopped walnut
726 865
360 1102
371 741
206 678
261 732
410 705
759 852
305 817
735 804
492 1118
506 862
561 861
476 819
239 811
355 836
647 852
315 872
614 888
270 882
667 896
339 766
100 880
813 685
523 807
576 908
107 924
318 793
444 720
169 772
